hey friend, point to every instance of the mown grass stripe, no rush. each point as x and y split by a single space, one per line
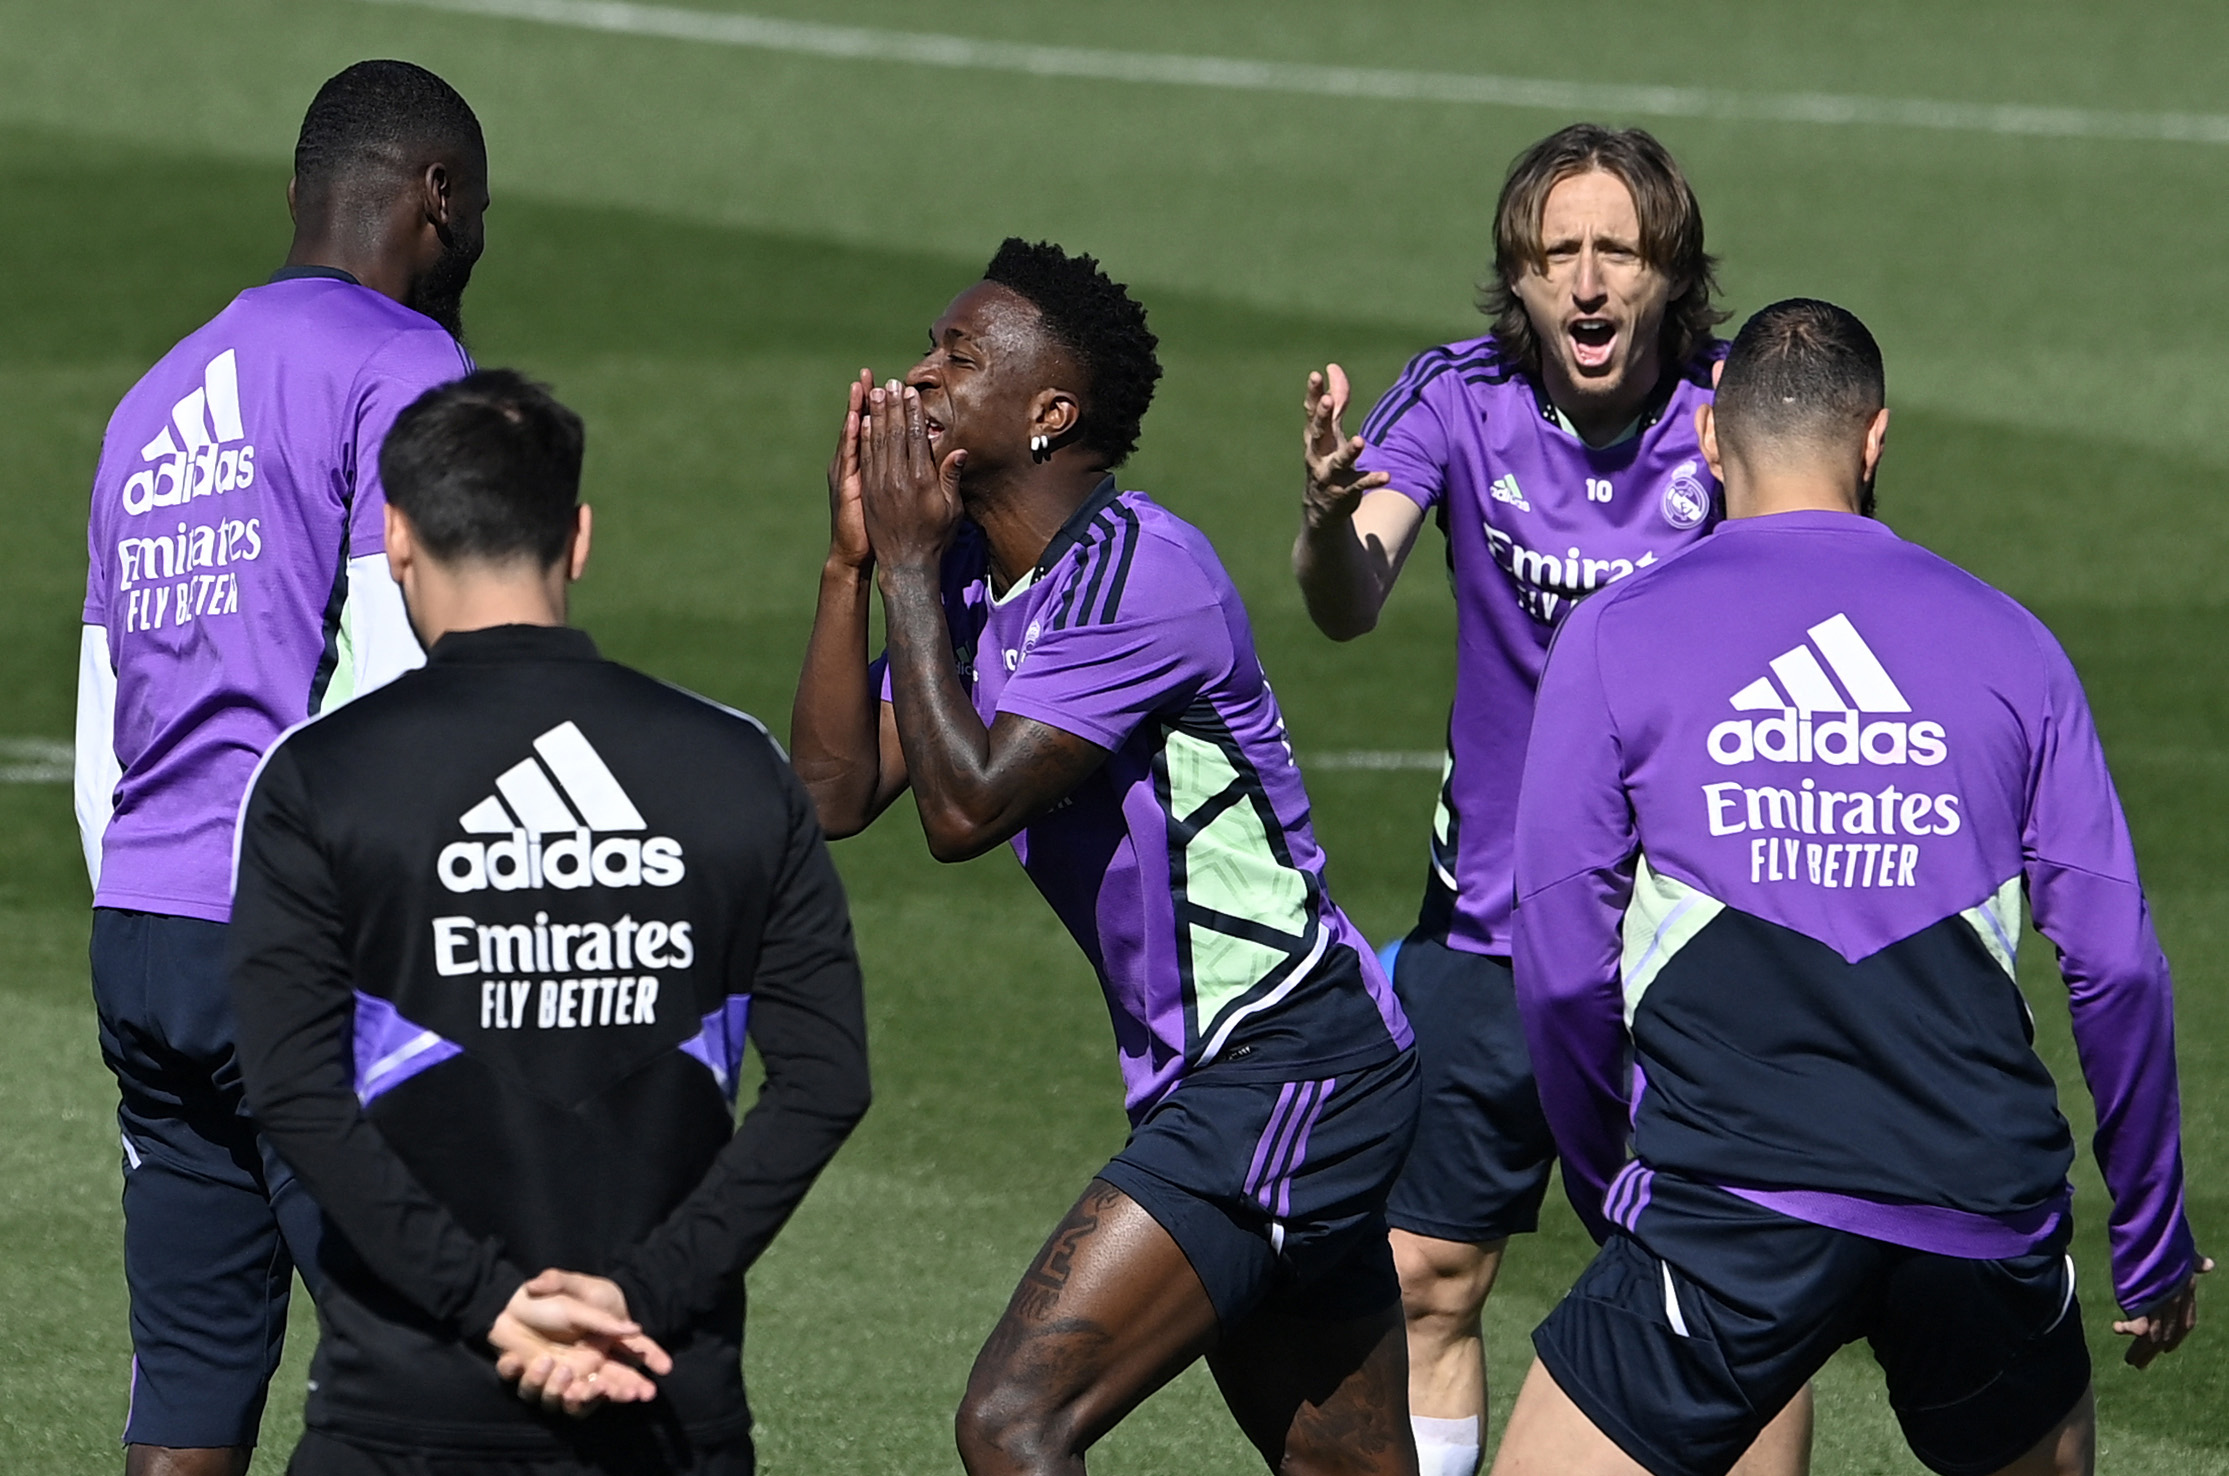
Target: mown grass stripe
917 48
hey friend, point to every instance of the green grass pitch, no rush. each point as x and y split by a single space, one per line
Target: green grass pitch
697 245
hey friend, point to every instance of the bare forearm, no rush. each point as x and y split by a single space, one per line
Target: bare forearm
1343 580
947 747
835 733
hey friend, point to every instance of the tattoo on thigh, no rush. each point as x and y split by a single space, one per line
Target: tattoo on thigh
1047 1276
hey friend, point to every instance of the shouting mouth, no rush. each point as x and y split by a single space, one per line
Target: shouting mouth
1592 340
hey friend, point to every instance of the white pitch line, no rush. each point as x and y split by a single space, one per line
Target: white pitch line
34 761
859 43
1375 758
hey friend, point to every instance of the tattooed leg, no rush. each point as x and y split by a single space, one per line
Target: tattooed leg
1108 1312
1321 1398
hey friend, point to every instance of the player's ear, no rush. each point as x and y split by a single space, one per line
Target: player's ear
402 552
290 215
435 184
1054 413
577 559
1876 441
1706 432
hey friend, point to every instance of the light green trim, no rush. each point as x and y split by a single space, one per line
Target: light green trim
1663 917
342 686
1013 591
1997 923
1231 868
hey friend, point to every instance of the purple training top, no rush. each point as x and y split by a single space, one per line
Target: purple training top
1186 866
237 479
1782 801
1535 518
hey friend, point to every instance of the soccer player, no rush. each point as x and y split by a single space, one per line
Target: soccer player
493 1009
1782 800
1069 668
1558 454
237 586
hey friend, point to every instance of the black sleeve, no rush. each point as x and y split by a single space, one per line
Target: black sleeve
808 1020
293 992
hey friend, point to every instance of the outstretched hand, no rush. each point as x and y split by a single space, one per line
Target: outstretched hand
1334 486
2163 1329
566 1341
847 524
911 502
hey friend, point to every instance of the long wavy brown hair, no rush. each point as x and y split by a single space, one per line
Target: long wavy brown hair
1671 236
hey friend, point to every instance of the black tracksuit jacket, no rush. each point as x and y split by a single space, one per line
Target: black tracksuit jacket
497 931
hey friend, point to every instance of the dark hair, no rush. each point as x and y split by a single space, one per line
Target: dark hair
487 468
1671 235
1094 318
1800 370
380 118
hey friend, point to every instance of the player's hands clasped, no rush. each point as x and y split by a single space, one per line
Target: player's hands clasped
911 503
847 522
2163 1329
1334 486
567 1343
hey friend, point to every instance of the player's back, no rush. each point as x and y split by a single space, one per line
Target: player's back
556 876
229 498
1843 757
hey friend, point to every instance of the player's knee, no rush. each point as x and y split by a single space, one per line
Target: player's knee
1004 1428
1444 1283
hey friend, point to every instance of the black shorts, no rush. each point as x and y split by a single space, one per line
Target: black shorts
321 1454
1684 1338
1275 1191
1480 1166
214 1223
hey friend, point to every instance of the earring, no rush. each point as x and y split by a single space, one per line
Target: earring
1040 448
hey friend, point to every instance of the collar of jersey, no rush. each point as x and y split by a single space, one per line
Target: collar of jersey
1652 409
500 643
1071 532
1805 520
296 274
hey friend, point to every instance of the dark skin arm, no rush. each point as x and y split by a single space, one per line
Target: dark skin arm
843 737
975 786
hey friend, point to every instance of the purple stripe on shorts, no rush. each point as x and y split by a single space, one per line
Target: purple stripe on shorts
1300 1147
390 1049
1635 1186
719 1045
1296 1126
1270 1134
1922 1227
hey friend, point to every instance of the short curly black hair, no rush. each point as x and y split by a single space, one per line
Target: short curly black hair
374 119
1094 318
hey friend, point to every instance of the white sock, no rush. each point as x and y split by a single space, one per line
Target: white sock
1445 1447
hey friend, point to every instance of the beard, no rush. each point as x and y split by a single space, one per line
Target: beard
439 294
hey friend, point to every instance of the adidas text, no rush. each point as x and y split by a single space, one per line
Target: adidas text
1833 703
528 862
564 822
206 456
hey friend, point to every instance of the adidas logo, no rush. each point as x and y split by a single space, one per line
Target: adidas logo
1504 489
201 458
562 790
1835 678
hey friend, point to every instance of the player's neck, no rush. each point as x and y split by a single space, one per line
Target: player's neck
1022 513
370 255
1601 419
1757 494
442 601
